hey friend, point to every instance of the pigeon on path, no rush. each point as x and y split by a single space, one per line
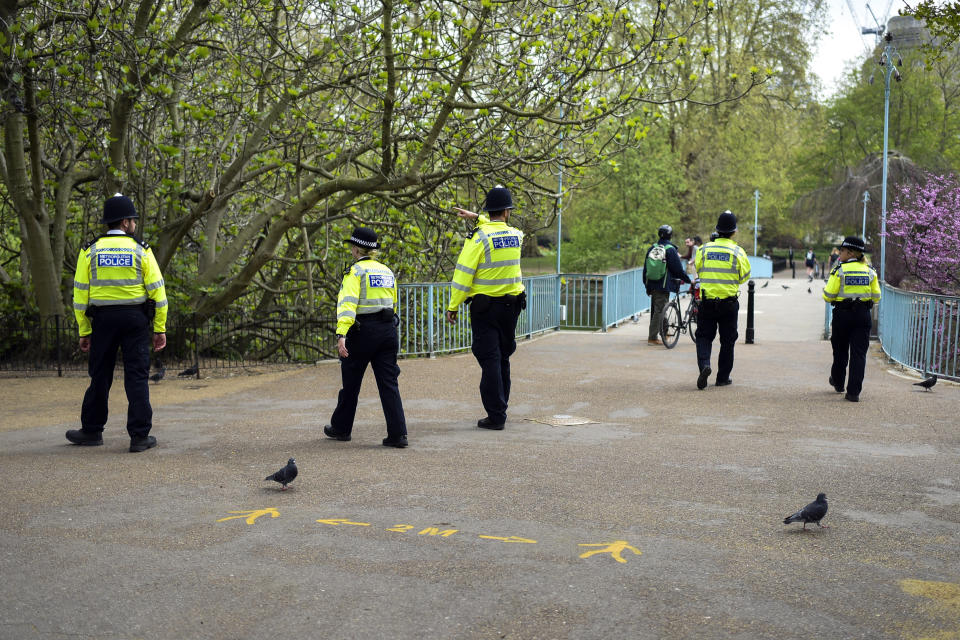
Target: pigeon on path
192 371
784 286
159 372
927 384
813 512
765 284
286 475
809 290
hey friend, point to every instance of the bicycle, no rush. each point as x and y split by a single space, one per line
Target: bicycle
675 321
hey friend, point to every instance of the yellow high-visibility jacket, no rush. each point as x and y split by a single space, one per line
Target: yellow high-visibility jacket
367 287
852 280
117 269
489 263
722 266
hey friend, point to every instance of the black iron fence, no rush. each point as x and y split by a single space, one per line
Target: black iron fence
31 345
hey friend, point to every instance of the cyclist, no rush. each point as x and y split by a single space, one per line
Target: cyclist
661 270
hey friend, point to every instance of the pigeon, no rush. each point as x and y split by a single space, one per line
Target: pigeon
765 284
813 512
286 475
809 290
192 371
784 286
927 384
159 372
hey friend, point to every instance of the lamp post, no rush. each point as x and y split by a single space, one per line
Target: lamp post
866 199
756 215
889 69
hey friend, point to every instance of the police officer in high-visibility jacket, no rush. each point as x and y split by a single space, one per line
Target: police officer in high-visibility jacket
120 303
723 267
852 290
488 277
367 334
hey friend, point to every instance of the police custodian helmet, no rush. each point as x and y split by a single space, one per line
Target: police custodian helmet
727 222
498 199
118 208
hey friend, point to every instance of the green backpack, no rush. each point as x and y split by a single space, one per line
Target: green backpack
656 264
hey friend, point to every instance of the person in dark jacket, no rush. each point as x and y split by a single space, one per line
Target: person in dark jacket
660 288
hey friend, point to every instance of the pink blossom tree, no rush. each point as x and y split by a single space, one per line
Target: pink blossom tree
924 223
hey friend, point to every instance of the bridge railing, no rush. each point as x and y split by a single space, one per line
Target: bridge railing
921 330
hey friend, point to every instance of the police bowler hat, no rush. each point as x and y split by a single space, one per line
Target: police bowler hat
854 243
727 222
118 208
364 238
498 199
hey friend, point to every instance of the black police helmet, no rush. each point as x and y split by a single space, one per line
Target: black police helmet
118 208
854 243
727 222
364 238
665 232
498 199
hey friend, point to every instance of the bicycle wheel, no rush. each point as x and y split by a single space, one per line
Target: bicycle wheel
670 326
692 313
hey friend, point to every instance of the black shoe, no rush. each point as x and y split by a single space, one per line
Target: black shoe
723 383
142 443
837 387
702 380
399 443
85 438
487 423
851 397
330 433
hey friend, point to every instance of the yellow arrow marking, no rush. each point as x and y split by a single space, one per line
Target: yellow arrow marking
251 516
338 521
509 539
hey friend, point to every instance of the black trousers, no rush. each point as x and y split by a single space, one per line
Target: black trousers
373 342
717 315
494 341
127 329
850 338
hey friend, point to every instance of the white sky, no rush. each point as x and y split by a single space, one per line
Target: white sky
842 42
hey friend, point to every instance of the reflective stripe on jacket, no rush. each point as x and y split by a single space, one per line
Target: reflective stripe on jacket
368 287
117 270
723 267
489 263
852 280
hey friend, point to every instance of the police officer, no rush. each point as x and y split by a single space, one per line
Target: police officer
488 277
367 334
659 289
852 290
723 267
120 302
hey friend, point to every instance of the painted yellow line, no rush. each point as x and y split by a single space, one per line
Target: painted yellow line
251 516
339 521
510 539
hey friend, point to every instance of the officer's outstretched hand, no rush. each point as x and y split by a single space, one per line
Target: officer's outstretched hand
84 343
467 215
452 317
159 341
342 347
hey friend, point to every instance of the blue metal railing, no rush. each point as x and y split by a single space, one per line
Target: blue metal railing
921 330
567 301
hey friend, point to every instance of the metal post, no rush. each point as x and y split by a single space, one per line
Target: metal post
196 346
430 320
866 199
750 291
59 363
756 216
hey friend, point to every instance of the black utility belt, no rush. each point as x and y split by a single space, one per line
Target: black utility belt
482 301
853 304
705 299
94 309
384 315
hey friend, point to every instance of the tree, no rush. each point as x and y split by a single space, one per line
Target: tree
924 223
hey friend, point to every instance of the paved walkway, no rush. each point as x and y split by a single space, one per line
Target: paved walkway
660 519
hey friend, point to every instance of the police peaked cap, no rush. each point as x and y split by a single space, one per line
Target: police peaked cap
498 199
118 208
364 238
727 222
854 242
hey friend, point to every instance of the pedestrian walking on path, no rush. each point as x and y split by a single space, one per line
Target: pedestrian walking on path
120 303
661 270
367 334
488 277
852 290
723 267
